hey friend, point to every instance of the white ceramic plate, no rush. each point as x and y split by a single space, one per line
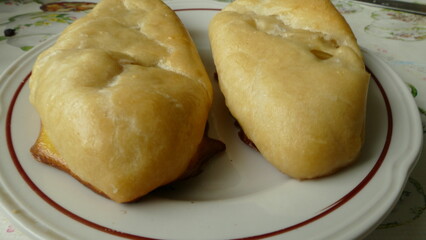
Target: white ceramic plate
238 196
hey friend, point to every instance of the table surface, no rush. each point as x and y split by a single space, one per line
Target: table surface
398 38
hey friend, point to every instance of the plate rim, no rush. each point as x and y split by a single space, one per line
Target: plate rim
15 66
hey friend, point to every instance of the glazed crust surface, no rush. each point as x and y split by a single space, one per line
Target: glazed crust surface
123 98
294 78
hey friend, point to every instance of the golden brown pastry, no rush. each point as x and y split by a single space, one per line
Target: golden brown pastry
293 77
123 99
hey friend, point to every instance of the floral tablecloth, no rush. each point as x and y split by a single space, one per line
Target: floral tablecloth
397 37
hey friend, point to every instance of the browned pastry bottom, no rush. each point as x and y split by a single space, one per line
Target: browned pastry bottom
43 152
207 149
243 137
